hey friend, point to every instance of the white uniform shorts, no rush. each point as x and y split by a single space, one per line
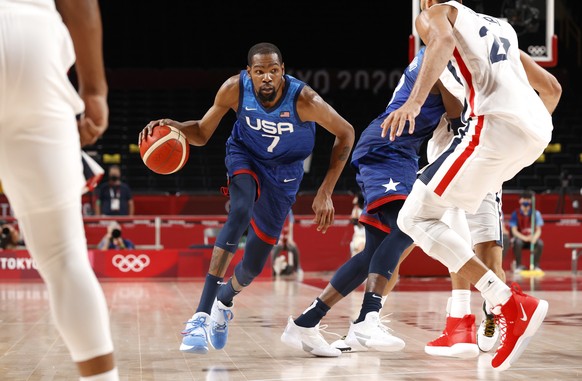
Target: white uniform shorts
38 105
490 151
485 224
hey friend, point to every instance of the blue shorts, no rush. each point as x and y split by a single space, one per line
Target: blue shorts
277 187
384 175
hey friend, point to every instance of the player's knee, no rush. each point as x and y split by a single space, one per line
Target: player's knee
240 215
405 219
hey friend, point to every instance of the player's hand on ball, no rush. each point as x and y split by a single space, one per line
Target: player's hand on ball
149 128
163 148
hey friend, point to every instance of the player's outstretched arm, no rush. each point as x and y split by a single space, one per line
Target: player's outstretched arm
435 29
312 107
198 132
542 81
83 20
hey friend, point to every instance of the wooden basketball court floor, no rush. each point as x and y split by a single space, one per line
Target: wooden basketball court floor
147 317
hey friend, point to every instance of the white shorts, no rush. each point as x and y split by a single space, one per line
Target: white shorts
38 105
485 225
492 151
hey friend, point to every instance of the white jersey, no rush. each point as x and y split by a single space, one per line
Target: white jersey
20 4
487 61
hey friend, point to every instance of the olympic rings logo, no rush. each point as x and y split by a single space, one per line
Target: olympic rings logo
537 50
130 262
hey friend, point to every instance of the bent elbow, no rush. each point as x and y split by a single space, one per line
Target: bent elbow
351 133
198 141
556 88
349 136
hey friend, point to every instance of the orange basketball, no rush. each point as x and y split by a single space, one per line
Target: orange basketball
165 151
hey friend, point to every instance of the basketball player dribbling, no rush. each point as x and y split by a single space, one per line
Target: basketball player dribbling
273 134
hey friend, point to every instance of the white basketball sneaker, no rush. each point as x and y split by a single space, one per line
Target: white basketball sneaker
342 346
309 340
220 316
488 331
196 334
372 334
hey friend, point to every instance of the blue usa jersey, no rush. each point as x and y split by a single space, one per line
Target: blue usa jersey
276 135
425 122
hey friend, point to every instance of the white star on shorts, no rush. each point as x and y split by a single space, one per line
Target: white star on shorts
390 186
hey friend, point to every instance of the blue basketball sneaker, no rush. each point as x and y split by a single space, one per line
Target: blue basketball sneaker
196 334
219 316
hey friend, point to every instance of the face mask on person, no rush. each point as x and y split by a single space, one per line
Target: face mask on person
526 204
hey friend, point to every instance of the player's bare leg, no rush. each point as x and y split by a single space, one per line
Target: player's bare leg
520 315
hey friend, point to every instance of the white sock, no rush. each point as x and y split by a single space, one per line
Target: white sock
112 375
460 303
488 307
494 291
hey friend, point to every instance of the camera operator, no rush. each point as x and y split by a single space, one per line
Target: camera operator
9 236
112 240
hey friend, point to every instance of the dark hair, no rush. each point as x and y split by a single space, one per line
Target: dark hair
263 48
444 1
527 194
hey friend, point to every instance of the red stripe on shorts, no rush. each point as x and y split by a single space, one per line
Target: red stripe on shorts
374 222
373 207
452 172
262 235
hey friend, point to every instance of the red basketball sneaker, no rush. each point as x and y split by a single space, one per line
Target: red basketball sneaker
519 319
457 339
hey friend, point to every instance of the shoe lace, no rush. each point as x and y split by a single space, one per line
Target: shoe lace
502 324
490 325
323 328
228 316
193 325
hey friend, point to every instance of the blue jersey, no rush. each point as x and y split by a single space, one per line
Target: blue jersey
273 136
425 123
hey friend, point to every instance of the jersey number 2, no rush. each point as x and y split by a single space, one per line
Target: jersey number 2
498 49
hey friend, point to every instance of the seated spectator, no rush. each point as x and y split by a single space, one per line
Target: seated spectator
112 240
114 197
9 236
523 234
